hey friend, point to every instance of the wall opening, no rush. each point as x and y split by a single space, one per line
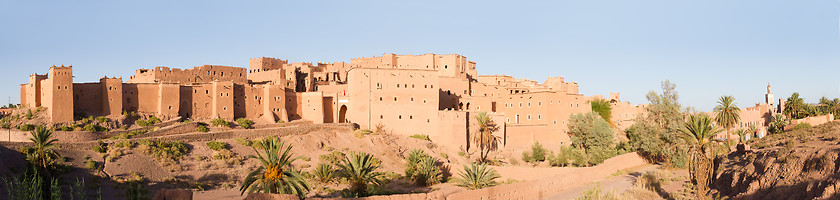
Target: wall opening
342 114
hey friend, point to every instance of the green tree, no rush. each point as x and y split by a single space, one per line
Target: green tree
656 135
602 107
795 106
42 153
359 169
276 175
591 133
484 138
698 134
778 123
727 114
477 176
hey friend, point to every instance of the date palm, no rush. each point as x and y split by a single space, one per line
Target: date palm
42 153
276 175
698 133
359 169
795 106
778 123
484 139
727 115
477 176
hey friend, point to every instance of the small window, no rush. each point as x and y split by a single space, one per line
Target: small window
398 85
380 117
539 117
380 98
395 99
399 116
529 117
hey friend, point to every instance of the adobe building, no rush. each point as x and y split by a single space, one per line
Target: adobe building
430 94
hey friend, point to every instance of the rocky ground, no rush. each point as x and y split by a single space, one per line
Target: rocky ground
799 164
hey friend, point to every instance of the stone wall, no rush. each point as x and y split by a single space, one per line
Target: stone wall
814 121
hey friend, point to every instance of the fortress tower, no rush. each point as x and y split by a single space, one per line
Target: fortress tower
57 94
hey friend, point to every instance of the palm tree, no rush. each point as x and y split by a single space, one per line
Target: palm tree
728 114
484 139
42 153
794 106
360 171
778 123
276 174
698 133
477 176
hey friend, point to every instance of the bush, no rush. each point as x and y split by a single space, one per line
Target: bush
124 144
801 126
324 173
217 146
102 119
578 157
537 154
422 137
165 150
243 142
560 159
149 122
131 114
422 168
203 128
66 128
94 128
100 147
90 164
333 158
29 114
220 122
244 123
477 176
27 127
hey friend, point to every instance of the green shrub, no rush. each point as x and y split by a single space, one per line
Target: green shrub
90 164
29 114
66 128
801 126
244 142
165 150
102 119
100 147
578 157
131 114
94 128
324 173
244 123
422 137
220 122
217 146
477 176
428 173
526 156
148 122
560 159
124 144
333 158
27 127
280 121
203 128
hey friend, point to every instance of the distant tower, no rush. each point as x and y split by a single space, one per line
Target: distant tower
770 100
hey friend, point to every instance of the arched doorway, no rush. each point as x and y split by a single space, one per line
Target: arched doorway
342 113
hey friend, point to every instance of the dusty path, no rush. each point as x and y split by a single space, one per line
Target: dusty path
615 184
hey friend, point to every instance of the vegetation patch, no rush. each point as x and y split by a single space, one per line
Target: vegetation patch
244 123
220 122
422 137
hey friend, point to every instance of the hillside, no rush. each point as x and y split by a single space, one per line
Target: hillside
799 164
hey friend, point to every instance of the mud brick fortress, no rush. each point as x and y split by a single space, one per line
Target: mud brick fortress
430 94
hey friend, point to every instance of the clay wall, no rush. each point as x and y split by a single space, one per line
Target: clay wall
814 121
23 95
275 77
61 99
168 104
222 101
393 97
624 114
451 91
757 116
33 92
312 106
293 105
111 93
200 74
87 98
264 64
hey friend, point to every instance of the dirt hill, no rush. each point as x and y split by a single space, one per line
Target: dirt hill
799 164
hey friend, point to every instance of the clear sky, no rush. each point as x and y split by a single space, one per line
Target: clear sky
708 48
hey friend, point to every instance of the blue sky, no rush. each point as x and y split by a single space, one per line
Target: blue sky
708 48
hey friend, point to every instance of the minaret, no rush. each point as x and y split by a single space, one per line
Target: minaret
769 100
